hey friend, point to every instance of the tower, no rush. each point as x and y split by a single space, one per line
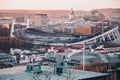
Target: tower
71 15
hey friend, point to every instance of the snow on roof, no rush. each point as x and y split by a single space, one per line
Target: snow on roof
18 73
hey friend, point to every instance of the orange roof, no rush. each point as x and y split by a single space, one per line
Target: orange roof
77 46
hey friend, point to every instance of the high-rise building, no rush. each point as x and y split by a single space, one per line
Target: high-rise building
19 19
40 20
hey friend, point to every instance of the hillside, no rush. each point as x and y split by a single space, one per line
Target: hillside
51 13
55 14
110 11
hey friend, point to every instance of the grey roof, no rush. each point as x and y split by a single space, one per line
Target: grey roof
76 74
89 57
4 56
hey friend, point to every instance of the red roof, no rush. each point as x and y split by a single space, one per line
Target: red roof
42 49
77 46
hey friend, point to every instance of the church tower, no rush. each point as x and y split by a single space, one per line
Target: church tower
71 15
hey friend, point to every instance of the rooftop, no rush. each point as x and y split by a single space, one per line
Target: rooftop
18 73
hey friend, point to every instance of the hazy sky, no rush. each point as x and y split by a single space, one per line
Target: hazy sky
59 4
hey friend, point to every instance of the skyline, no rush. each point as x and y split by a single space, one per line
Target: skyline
58 4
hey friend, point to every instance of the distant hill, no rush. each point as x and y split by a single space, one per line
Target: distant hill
56 14
51 13
110 12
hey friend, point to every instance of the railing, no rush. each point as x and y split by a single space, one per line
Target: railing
96 35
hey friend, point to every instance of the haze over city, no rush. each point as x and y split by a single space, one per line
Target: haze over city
59 40
59 4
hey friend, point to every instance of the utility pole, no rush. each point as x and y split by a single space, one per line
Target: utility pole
83 56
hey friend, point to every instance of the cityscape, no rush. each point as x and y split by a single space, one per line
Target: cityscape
47 41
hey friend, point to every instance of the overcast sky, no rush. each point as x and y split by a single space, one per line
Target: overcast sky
59 4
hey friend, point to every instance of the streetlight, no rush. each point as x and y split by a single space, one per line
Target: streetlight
83 56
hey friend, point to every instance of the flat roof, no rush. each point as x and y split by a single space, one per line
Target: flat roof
18 73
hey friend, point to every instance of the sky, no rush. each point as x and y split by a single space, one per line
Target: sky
59 4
